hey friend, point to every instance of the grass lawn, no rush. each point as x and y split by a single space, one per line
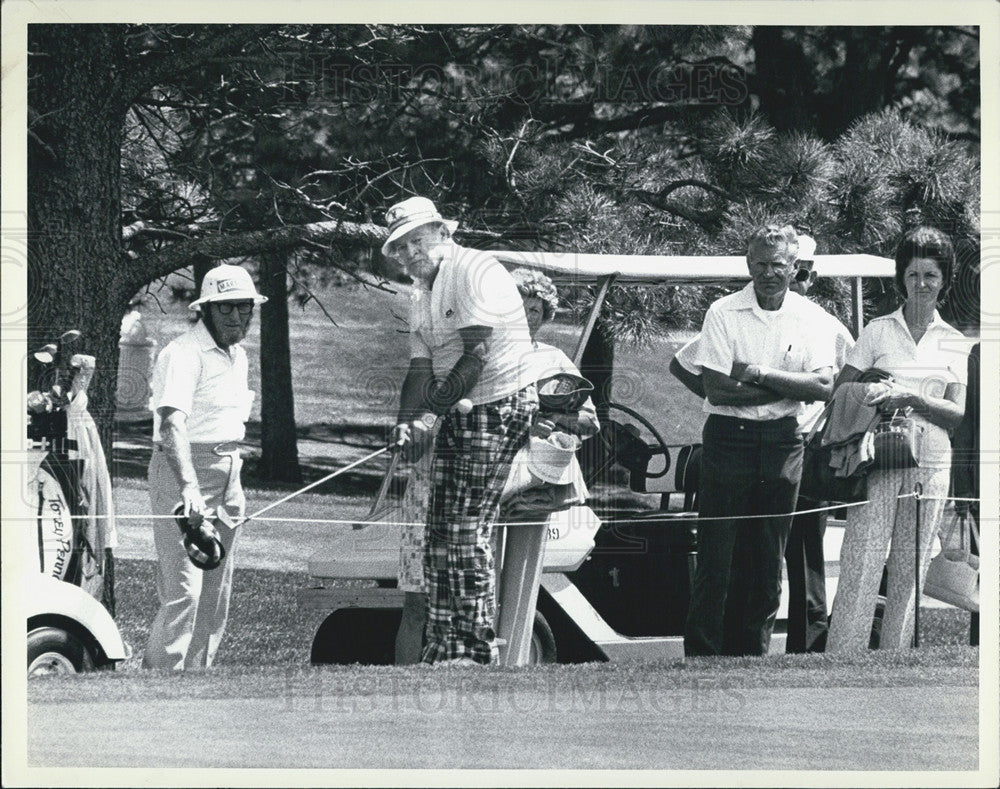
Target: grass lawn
266 629
913 710
348 373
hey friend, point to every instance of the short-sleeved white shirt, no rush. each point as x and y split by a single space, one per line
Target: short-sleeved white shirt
687 355
543 361
194 375
472 289
788 339
939 359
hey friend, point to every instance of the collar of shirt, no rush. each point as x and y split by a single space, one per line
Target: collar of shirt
937 322
746 299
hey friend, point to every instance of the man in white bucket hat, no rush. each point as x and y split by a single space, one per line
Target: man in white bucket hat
468 340
201 402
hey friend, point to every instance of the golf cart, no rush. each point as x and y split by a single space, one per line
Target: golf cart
70 598
614 582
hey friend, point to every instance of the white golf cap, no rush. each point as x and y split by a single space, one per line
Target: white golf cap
807 248
227 283
409 214
550 459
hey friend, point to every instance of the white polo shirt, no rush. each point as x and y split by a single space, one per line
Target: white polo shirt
737 329
472 288
939 359
687 355
194 375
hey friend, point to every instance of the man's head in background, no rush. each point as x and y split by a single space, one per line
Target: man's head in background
805 271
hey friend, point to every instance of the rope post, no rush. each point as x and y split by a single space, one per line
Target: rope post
918 488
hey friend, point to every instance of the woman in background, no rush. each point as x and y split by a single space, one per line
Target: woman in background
926 358
540 301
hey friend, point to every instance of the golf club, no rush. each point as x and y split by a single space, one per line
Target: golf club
51 354
312 485
47 353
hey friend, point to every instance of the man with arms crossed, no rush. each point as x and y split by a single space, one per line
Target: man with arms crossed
761 358
469 337
201 402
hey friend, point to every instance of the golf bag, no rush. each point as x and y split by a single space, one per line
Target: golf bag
69 492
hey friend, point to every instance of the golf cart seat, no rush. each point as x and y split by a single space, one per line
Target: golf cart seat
687 476
372 552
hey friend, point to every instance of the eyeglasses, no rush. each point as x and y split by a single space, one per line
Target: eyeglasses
802 275
226 307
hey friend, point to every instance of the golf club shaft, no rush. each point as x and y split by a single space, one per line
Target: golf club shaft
312 485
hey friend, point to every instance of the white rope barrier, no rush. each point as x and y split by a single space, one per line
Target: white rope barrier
680 515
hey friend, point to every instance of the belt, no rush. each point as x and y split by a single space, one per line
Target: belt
220 448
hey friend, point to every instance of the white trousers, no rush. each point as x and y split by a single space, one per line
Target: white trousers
194 603
888 523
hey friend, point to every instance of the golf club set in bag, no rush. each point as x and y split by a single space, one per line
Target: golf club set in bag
47 418
69 488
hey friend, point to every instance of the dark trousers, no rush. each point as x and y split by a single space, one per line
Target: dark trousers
807 617
748 468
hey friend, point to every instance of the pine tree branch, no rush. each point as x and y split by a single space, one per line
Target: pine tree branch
143 73
661 201
673 186
220 246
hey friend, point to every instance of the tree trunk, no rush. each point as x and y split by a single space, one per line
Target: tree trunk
783 79
279 456
201 266
76 275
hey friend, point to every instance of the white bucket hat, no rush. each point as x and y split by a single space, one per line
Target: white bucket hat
551 459
227 283
409 214
807 248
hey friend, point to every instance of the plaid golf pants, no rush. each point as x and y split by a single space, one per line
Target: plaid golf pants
472 460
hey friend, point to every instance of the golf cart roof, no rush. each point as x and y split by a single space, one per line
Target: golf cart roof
587 268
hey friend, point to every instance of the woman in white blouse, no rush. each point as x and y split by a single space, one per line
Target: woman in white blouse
926 358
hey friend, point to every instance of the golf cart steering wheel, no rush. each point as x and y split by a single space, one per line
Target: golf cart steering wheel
662 449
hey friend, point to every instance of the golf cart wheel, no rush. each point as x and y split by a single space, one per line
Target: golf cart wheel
543 642
52 650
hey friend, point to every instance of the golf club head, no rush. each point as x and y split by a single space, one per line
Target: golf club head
200 537
47 353
66 338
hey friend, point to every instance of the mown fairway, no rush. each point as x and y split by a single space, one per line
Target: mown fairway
778 713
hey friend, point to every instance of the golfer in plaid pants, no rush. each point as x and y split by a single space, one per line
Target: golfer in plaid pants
472 461
468 340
